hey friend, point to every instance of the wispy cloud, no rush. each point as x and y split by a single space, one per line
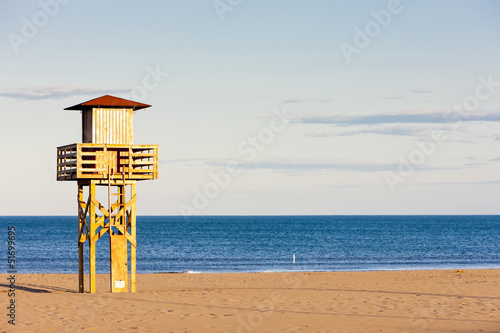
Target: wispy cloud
317 166
486 182
396 97
412 95
185 161
310 100
381 129
308 165
55 92
406 117
409 97
421 91
297 100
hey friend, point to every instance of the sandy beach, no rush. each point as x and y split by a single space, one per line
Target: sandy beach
395 301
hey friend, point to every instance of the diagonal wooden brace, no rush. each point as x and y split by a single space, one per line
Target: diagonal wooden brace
101 208
126 207
125 232
100 233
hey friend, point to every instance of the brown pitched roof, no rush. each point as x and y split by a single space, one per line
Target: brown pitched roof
108 101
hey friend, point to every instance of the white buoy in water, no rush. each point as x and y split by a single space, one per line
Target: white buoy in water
294 258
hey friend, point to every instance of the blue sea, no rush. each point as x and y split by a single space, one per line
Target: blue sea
48 244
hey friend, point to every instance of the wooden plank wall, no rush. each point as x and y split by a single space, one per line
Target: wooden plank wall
112 126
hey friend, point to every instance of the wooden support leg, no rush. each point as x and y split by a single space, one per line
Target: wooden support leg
92 229
133 234
80 244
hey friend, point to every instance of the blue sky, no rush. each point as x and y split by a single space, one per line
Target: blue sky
406 121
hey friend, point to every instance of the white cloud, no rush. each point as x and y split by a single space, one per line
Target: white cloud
310 100
318 164
185 161
423 116
421 91
414 130
55 92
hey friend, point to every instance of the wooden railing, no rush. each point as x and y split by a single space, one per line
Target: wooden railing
81 161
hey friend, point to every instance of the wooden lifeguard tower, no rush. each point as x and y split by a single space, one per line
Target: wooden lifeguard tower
107 157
